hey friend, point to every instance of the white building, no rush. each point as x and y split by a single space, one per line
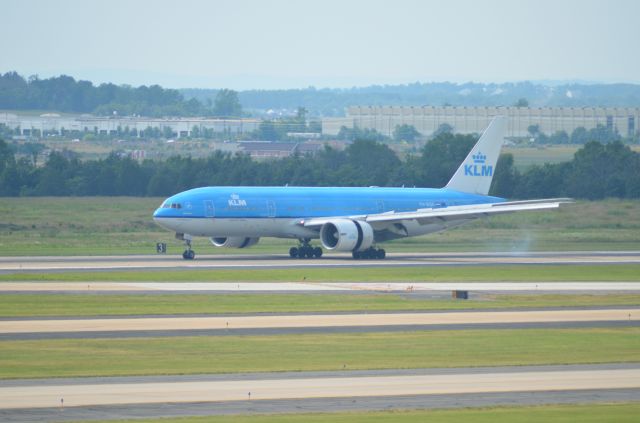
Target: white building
54 123
427 119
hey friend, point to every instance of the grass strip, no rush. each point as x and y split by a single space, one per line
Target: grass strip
585 413
380 350
123 225
511 273
43 305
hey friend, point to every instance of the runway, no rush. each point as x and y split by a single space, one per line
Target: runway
440 288
158 325
458 381
333 260
163 396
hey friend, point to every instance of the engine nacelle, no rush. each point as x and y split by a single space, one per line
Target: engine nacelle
346 235
234 241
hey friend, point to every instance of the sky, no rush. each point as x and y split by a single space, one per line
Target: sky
251 44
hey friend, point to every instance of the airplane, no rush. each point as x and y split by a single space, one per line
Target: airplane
343 219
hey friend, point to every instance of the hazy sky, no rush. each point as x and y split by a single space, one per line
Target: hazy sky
244 44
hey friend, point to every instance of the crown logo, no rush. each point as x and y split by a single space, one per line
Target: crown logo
235 197
479 158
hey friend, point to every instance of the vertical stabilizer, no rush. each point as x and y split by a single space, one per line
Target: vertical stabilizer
476 171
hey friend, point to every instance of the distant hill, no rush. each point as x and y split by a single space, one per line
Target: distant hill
65 94
333 102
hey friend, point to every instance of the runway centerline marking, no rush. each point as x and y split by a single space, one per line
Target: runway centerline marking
238 390
313 320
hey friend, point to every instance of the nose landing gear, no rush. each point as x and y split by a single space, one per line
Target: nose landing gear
188 254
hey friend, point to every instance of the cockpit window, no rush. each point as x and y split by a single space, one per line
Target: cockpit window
168 205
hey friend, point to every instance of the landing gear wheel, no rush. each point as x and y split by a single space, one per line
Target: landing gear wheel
369 253
305 250
188 254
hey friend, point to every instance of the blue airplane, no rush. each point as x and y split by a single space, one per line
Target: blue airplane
343 219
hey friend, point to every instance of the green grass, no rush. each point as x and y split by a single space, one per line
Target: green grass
123 225
516 273
584 413
34 305
526 156
309 352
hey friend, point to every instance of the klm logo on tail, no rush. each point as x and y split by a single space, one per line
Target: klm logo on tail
478 168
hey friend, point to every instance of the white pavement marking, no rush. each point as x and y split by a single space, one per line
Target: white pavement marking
317 286
11 264
311 320
212 391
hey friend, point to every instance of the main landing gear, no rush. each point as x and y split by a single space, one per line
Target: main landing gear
370 253
188 254
305 250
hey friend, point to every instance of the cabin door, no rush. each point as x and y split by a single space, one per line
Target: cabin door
271 209
209 210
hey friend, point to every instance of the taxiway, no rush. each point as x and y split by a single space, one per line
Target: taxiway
340 260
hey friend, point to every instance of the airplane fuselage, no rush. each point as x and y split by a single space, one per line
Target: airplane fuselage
279 211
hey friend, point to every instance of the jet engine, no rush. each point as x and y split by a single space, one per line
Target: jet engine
346 235
234 241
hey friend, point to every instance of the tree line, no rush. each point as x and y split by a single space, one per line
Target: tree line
334 101
596 171
65 94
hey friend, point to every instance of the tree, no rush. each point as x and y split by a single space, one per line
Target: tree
6 155
443 128
533 130
301 115
267 131
506 177
441 157
33 149
227 104
405 133
370 163
522 102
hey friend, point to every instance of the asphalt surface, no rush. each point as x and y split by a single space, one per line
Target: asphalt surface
281 261
166 396
326 323
434 289
317 405
303 321
468 387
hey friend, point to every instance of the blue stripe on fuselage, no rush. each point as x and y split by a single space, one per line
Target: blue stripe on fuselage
306 202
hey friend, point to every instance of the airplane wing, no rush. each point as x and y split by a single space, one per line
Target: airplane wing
448 214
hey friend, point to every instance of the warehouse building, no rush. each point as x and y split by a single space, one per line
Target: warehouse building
427 119
182 127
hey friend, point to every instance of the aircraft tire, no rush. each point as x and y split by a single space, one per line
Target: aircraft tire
293 252
303 253
317 252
